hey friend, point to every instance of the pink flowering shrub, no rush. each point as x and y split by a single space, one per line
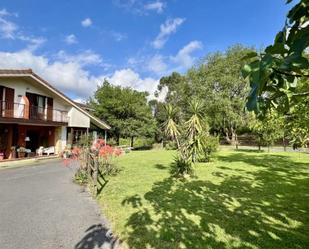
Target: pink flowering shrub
104 153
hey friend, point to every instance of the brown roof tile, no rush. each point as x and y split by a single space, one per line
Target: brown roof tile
16 71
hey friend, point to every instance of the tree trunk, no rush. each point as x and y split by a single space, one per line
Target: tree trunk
117 139
132 142
236 141
284 142
227 137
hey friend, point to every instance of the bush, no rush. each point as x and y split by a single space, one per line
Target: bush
181 167
170 145
81 177
210 145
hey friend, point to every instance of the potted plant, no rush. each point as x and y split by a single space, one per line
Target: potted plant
12 152
21 152
67 152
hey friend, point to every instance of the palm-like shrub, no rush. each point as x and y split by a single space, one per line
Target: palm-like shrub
194 129
188 139
170 127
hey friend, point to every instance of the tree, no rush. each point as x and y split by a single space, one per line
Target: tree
125 109
297 119
159 113
218 83
178 91
268 129
274 74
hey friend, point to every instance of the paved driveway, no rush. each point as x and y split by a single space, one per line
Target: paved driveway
41 208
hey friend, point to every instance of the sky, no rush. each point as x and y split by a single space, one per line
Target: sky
76 44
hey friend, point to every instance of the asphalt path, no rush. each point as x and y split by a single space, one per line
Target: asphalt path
40 207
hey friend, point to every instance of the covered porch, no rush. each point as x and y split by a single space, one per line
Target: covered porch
26 140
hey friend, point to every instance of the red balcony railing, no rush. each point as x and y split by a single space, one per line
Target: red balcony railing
17 110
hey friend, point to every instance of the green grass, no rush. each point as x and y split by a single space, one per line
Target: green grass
242 199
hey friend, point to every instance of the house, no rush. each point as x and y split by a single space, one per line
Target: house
34 114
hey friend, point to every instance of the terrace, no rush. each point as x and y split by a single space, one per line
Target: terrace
28 113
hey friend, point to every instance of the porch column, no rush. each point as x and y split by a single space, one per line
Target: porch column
60 139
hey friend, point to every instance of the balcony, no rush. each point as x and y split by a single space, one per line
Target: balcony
32 113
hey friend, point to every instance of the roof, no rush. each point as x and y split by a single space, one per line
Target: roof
31 74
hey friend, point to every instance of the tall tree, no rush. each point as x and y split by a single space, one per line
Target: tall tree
269 128
218 83
125 109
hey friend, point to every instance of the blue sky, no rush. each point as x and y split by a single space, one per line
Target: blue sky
75 44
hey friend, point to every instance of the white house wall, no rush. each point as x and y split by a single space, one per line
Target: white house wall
78 119
22 86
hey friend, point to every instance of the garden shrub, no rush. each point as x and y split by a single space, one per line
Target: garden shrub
181 167
81 177
170 145
210 145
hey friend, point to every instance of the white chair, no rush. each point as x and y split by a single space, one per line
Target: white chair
39 151
49 150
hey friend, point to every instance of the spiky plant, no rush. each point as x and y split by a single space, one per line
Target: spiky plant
194 129
170 127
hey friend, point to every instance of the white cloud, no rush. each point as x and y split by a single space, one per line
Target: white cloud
140 7
157 6
69 77
156 64
184 56
83 58
80 100
129 78
7 28
86 22
118 36
166 29
33 42
10 30
67 72
70 39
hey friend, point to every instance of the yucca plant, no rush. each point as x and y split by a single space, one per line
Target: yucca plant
170 127
194 129
189 143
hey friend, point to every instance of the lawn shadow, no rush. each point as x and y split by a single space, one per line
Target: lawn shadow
160 166
266 208
250 150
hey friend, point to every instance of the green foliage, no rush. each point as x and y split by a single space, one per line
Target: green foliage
170 145
138 142
181 167
210 145
81 176
108 167
194 129
217 84
125 109
158 109
297 119
274 74
188 136
170 127
269 128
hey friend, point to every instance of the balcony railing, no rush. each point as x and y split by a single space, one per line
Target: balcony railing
17 110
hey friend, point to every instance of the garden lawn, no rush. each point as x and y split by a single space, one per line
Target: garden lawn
243 199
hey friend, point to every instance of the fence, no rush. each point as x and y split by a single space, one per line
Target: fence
90 163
